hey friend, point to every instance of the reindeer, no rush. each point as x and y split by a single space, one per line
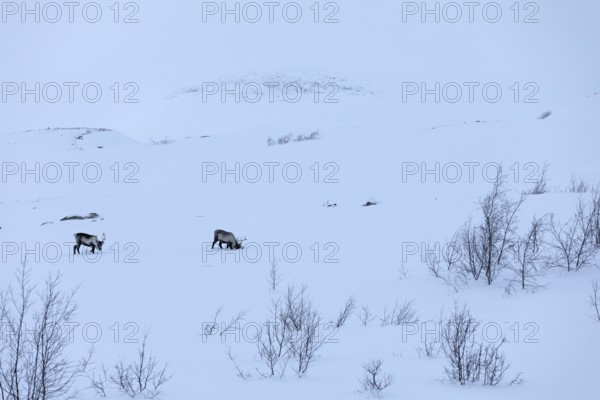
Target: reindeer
228 238
89 241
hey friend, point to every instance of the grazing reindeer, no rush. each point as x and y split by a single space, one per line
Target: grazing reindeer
228 238
89 241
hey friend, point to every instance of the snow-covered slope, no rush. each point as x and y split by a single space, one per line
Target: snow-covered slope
164 172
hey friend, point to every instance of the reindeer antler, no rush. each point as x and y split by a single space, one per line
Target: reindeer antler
103 237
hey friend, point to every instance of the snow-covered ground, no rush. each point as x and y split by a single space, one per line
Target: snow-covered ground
170 161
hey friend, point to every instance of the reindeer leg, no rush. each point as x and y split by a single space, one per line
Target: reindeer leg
93 248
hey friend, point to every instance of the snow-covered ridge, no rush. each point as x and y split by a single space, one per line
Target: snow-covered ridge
278 87
75 139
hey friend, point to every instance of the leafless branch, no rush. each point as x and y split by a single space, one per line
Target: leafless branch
541 185
595 300
212 327
365 316
374 381
345 312
274 276
528 254
240 373
399 314
233 321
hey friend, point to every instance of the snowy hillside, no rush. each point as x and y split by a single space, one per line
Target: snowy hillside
346 144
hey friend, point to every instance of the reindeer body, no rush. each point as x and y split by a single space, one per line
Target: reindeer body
89 241
228 238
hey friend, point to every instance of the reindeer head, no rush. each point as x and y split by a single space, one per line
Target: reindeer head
101 242
239 243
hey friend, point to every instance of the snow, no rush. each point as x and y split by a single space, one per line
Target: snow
159 203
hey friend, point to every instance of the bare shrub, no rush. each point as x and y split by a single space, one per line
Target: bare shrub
480 248
403 271
446 268
578 185
400 314
492 364
268 350
212 328
517 380
33 360
452 252
541 185
296 305
529 255
280 140
301 316
274 275
291 138
430 348
290 335
144 377
311 136
240 373
99 381
306 347
374 381
469 360
365 316
434 266
274 342
595 300
345 312
575 241
165 140
455 278
458 344
485 246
